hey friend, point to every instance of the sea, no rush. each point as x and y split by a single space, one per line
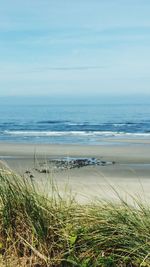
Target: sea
86 121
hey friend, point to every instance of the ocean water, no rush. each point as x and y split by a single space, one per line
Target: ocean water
72 123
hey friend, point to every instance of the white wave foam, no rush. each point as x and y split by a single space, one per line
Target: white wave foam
137 134
119 124
71 133
59 133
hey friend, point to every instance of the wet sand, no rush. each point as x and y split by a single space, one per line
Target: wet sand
130 175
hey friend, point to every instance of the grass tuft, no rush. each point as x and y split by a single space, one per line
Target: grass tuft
37 230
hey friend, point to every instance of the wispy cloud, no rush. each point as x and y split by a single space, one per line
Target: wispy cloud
72 68
79 37
29 69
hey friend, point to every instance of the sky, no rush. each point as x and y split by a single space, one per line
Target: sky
74 47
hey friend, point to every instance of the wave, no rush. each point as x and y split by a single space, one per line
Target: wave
55 133
52 122
68 125
71 133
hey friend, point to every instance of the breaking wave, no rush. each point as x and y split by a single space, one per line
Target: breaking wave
72 133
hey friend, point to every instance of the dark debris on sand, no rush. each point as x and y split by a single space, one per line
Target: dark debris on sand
70 163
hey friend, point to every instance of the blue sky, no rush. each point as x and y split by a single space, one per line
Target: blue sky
74 47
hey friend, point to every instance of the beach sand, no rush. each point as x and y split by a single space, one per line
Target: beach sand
129 176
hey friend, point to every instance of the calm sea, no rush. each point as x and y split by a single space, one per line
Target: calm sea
36 121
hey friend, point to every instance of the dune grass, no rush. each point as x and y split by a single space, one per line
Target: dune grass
37 230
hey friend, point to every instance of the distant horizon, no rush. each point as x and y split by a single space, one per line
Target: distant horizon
76 99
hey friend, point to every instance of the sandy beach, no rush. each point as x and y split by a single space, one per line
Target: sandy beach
129 174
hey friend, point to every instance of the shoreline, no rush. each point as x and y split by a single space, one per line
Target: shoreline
132 152
130 175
